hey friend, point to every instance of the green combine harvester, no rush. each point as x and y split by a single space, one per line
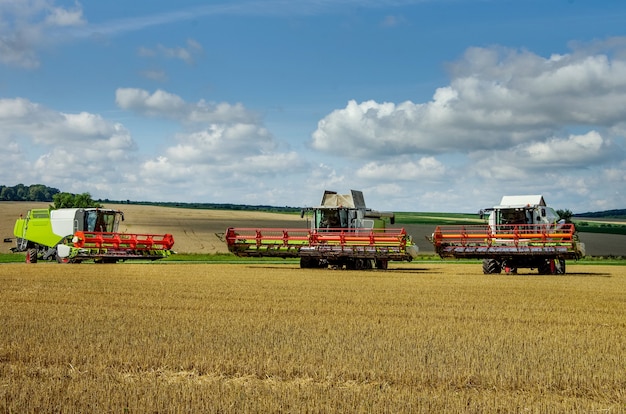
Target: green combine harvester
74 235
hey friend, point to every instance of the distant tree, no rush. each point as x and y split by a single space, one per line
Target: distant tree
38 192
565 215
68 200
7 194
21 192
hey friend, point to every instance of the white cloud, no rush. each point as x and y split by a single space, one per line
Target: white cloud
168 105
509 122
77 152
497 99
535 159
25 27
576 150
403 170
187 54
59 16
42 125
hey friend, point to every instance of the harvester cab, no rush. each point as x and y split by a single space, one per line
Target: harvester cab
345 211
515 210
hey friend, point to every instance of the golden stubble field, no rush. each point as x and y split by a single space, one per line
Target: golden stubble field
422 337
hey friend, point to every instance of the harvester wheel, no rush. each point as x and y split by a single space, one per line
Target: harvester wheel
382 264
31 256
552 267
308 263
546 267
491 266
362 264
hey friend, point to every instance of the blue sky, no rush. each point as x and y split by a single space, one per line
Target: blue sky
424 105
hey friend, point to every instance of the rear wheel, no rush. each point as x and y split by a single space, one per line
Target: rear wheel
491 267
552 267
546 267
308 263
363 264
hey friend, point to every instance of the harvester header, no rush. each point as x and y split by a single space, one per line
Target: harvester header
342 232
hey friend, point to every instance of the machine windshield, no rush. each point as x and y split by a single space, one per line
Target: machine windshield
98 220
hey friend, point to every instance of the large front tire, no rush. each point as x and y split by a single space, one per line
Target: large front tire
552 267
309 263
491 267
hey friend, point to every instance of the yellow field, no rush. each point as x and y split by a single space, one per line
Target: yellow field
274 338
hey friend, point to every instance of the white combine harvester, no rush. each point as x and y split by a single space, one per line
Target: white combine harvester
521 232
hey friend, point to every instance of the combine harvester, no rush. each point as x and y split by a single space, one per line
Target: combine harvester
73 235
522 232
342 233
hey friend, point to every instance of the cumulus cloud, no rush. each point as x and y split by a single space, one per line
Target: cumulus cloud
574 152
403 170
86 152
74 151
248 149
21 117
496 99
167 105
512 120
223 147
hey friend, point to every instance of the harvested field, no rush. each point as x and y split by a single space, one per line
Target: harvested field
426 337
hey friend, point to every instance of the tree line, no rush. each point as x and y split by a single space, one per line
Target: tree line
42 193
21 192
